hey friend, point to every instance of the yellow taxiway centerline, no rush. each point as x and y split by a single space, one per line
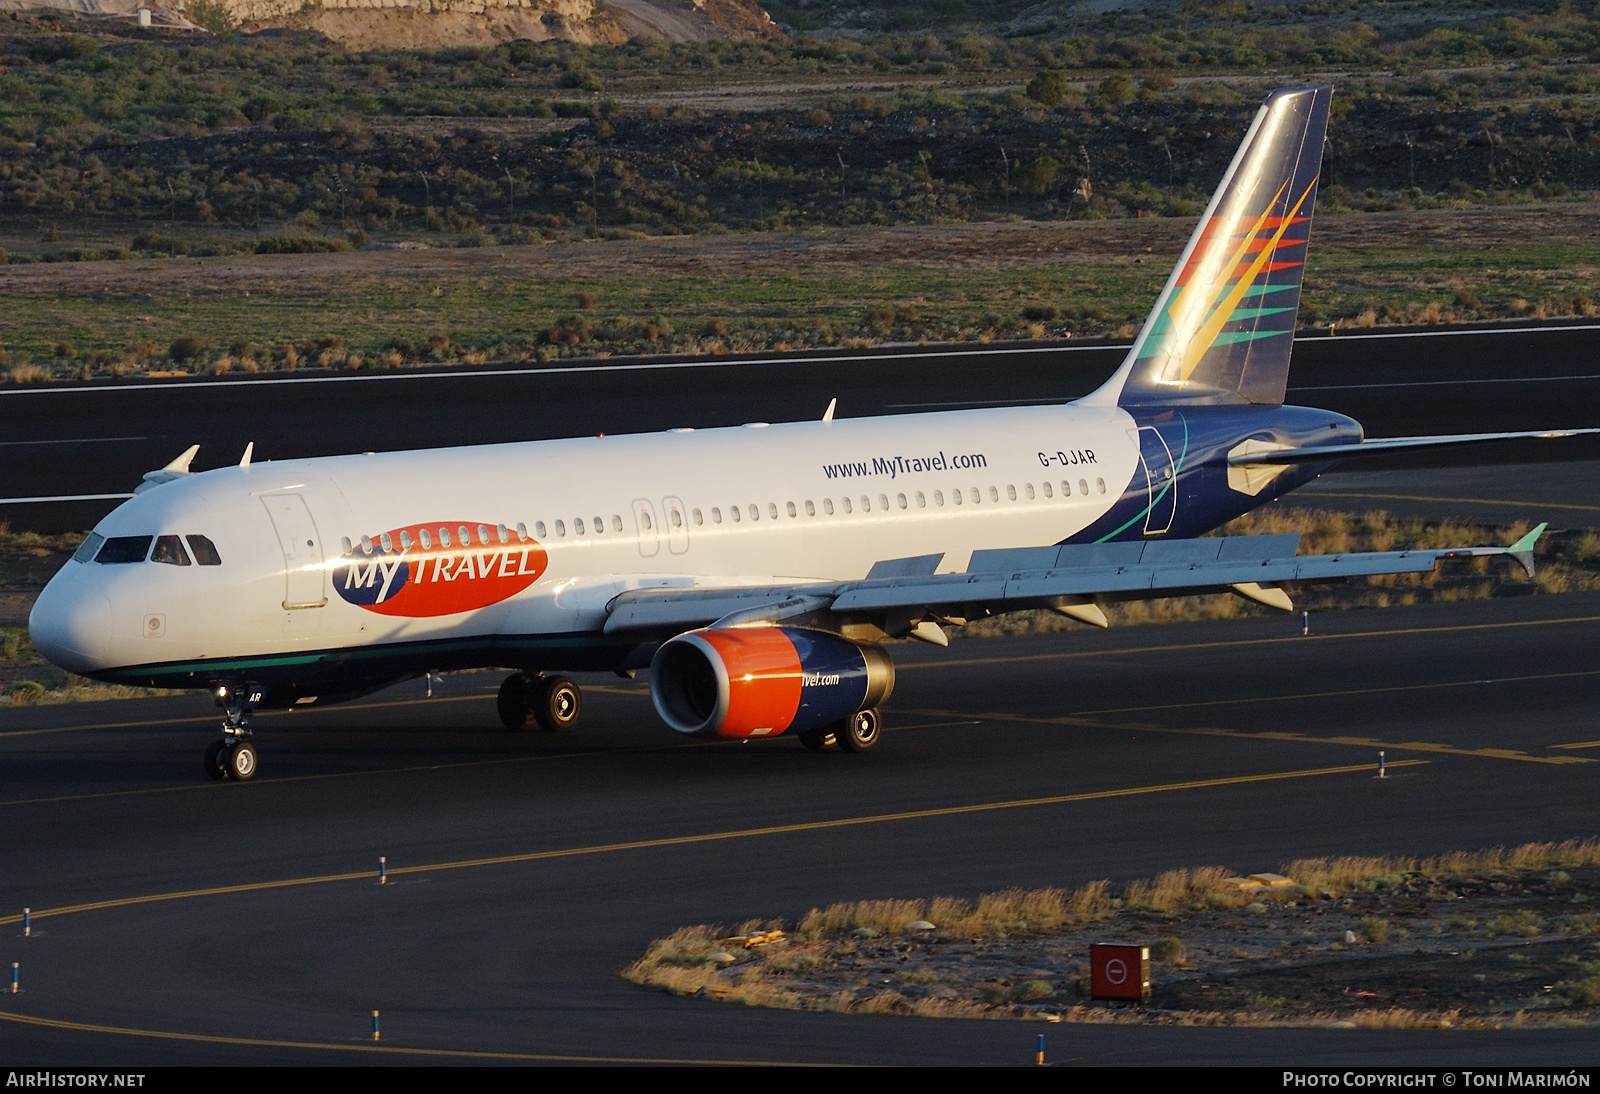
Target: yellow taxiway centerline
1297 738
379 1047
711 837
1458 501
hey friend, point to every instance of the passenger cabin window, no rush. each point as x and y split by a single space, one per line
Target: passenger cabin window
698 519
846 503
955 496
1066 489
677 518
522 532
1029 488
119 549
205 552
716 515
755 513
483 534
616 522
1101 484
733 511
792 511
1011 493
811 510
827 506
405 541
922 501
994 495
464 536
1047 490
86 550
938 498
538 530
976 497
599 525
883 502
1083 487
424 538
388 544
577 525
901 498
444 537
169 549
772 510
561 528
866 504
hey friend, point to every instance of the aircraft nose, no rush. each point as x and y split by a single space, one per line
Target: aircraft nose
71 625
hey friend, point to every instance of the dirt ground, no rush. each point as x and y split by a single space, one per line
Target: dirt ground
976 246
1490 949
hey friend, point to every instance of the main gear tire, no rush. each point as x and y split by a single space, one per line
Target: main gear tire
513 701
557 704
860 731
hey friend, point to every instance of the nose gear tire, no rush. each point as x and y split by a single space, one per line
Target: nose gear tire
213 761
241 761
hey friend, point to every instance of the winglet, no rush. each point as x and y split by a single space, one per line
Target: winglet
827 415
1522 550
249 450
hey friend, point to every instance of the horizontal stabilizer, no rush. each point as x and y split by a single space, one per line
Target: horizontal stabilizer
1266 457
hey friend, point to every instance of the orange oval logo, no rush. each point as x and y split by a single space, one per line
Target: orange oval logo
438 569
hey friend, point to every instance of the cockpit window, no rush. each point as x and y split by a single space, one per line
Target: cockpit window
205 552
169 549
124 549
86 549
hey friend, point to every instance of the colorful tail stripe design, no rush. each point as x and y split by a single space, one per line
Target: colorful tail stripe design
1223 327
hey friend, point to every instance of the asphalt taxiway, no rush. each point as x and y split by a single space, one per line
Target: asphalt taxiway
180 920
89 443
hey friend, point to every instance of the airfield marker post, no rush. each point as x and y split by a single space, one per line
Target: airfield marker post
27 922
16 977
1305 623
374 1025
383 870
1381 773
1041 1050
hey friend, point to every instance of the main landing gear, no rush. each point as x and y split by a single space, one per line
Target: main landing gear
233 757
555 702
857 733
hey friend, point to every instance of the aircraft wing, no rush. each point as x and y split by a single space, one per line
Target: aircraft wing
1257 453
1070 578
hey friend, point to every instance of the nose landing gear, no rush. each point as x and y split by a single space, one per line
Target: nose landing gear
233 757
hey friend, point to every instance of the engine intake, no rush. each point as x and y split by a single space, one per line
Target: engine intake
763 681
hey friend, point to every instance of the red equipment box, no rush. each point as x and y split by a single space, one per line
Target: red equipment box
1119 972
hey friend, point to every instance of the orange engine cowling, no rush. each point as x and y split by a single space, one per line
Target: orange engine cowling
763 681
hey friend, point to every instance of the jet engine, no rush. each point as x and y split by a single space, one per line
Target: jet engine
763 681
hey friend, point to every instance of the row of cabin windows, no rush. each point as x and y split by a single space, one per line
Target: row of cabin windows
167 549
501 534
973 496
736 514
443 537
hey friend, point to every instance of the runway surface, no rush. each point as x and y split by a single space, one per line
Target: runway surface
528 869
92 442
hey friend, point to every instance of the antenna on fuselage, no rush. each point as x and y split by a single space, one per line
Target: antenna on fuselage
827 415
249 450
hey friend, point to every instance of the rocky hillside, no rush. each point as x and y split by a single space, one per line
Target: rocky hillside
429 24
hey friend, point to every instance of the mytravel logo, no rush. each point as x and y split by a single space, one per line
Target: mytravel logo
438 569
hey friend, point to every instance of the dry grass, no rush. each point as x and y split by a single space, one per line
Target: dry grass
1337 876
705 960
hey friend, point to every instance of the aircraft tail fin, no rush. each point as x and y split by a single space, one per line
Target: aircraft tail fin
1223 327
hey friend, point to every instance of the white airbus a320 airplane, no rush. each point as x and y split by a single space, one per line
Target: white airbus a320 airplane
755 570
